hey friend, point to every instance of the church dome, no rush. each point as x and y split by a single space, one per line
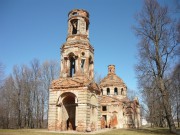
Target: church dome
112 79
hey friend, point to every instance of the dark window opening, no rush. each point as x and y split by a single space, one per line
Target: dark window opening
74 26
121 91
115 91
72 66
75 13
90 67
90 60
108 91
87 26
105 118
104 108
102 91
82 64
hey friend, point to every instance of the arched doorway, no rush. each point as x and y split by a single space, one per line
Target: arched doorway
69 111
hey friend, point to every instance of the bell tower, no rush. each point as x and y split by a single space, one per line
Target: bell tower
77 54
78 23
73 98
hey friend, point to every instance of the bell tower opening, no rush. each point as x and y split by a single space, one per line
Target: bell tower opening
74 24
72 66
78 23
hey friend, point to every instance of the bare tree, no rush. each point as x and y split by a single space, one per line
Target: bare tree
97 78
26 101
156 49
174 90
177 12
36 88
18 85
24 95
8 104
132 94
152 97
1 73
49 71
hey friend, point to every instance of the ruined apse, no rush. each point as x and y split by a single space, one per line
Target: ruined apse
73 98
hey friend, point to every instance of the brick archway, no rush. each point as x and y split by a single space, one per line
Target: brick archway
69 111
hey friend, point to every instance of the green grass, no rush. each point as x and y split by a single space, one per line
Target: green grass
144 131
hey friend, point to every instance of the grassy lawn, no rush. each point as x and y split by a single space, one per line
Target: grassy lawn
145 131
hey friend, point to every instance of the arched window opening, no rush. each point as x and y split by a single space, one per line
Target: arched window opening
87 26
122 91
82 64
72 66
75 13
90 60
108 91
90 67
115 91
74 24
102 91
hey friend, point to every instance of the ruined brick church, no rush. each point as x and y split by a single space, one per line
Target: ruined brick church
76 102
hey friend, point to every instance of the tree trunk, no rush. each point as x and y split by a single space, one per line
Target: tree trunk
42 117
19 111
167 109
178 114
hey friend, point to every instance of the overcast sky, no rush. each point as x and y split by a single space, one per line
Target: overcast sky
37 28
